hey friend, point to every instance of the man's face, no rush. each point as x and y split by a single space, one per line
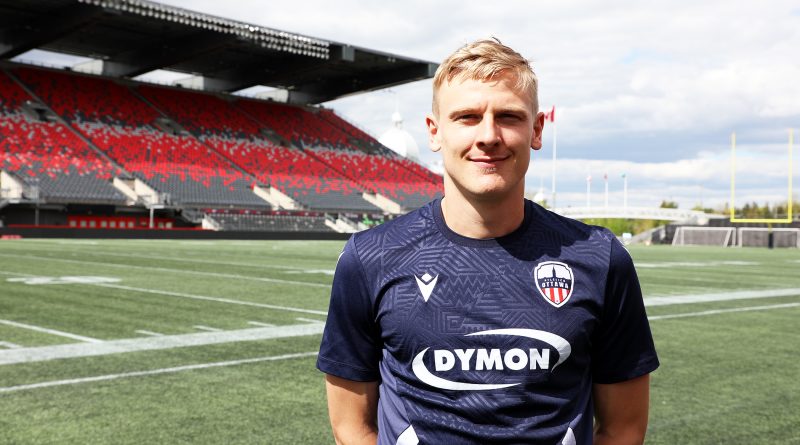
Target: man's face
485 131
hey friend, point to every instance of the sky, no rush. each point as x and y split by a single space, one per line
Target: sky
651 90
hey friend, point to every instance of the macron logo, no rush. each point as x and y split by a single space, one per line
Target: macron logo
426 285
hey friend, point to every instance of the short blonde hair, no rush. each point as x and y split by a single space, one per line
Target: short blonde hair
484 60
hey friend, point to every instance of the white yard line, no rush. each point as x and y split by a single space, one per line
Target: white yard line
215 299
200 327
721 296
45 353
166 269
50 331
668 264
9 345
724 311
190 260
309 320
150 333
176 369
17 274
196 297
258 323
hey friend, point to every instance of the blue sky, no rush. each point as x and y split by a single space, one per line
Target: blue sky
650 89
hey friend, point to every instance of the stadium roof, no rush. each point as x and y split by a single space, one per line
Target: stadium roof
133 37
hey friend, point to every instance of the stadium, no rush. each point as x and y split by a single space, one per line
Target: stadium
167 250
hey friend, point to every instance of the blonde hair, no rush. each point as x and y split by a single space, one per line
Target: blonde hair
484 60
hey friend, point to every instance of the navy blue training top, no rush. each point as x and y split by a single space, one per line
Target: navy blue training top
494 341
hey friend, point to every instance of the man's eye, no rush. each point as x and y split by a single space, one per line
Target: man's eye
467 117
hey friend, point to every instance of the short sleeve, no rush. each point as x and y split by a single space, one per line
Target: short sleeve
623 346
351 347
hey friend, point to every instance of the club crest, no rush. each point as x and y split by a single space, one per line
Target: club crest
555 282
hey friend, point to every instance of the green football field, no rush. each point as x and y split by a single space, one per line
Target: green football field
214 342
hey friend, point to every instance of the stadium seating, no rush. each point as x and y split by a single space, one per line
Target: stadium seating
203 114
227 147
238 136
384 175
88 99
191 173
50 156
296 124
296 174
122 125
270 223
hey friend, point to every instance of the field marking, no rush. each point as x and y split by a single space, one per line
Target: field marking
263 325
49 281
215 299
309 320
194 260
74 350
197 297
9 345
200 327
150 333
31 327
724 311
721 296
166 269
176 369
17 274
668 264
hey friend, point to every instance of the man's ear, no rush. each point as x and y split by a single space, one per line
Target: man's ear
433 133
536 136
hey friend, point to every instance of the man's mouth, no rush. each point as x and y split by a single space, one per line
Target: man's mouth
487 161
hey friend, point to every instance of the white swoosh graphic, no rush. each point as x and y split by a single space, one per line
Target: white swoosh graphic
561 345
423 374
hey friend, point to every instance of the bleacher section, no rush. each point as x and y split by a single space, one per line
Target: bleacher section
48 157
384 175
192 150
297 175
238 136
123 126
270 223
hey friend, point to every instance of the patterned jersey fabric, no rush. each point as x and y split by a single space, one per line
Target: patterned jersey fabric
492 341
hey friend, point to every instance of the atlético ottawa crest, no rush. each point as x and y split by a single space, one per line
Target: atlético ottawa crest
555 282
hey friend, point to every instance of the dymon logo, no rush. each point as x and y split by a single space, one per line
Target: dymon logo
555 282
482 359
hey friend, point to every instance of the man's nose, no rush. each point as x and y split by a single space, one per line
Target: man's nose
488 133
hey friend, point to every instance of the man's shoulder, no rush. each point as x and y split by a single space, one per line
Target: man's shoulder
398 232
568 228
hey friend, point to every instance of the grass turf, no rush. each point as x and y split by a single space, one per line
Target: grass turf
726 378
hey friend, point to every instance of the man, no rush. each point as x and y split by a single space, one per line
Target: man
483 318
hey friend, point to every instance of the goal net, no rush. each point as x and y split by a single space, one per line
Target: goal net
704 236
759 237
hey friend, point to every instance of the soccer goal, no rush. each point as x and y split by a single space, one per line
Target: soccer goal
704 236
759 237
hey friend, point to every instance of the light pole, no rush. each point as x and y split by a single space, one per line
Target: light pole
589 191
625 191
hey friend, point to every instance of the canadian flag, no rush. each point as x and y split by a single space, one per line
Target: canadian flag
550 115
